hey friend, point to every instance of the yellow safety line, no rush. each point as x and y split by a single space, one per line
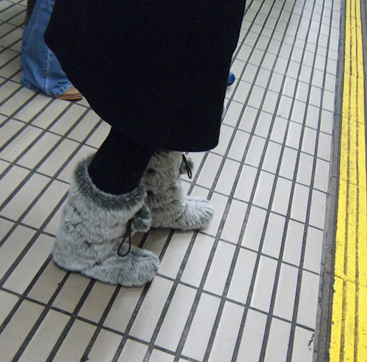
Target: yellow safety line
348 340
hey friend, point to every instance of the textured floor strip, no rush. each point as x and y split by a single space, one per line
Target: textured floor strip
349 318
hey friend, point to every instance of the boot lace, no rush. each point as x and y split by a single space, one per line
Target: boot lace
127 235
188 168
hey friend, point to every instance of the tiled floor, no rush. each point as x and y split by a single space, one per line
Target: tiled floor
246 288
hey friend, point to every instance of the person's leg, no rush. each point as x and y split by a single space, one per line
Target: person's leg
100 213
42 70
119 164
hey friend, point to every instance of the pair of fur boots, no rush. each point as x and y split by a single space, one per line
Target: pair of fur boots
94 223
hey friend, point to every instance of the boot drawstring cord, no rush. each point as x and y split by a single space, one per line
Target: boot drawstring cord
127 235
188 168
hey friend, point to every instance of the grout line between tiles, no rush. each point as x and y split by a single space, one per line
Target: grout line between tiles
24 225
175 284
42 315
13 94
43 131
287 220
22 12
100 324
30 243
299 278
21 297
68 326
277 274
40 163
38 232
131 322
238 248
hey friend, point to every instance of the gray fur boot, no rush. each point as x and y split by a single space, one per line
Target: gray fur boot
169 207
91 230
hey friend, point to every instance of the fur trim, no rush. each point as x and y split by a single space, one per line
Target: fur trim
169 207
91 228
82 186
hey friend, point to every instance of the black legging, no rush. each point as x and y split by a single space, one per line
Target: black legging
119 164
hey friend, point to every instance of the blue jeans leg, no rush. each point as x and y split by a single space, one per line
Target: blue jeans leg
42 70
